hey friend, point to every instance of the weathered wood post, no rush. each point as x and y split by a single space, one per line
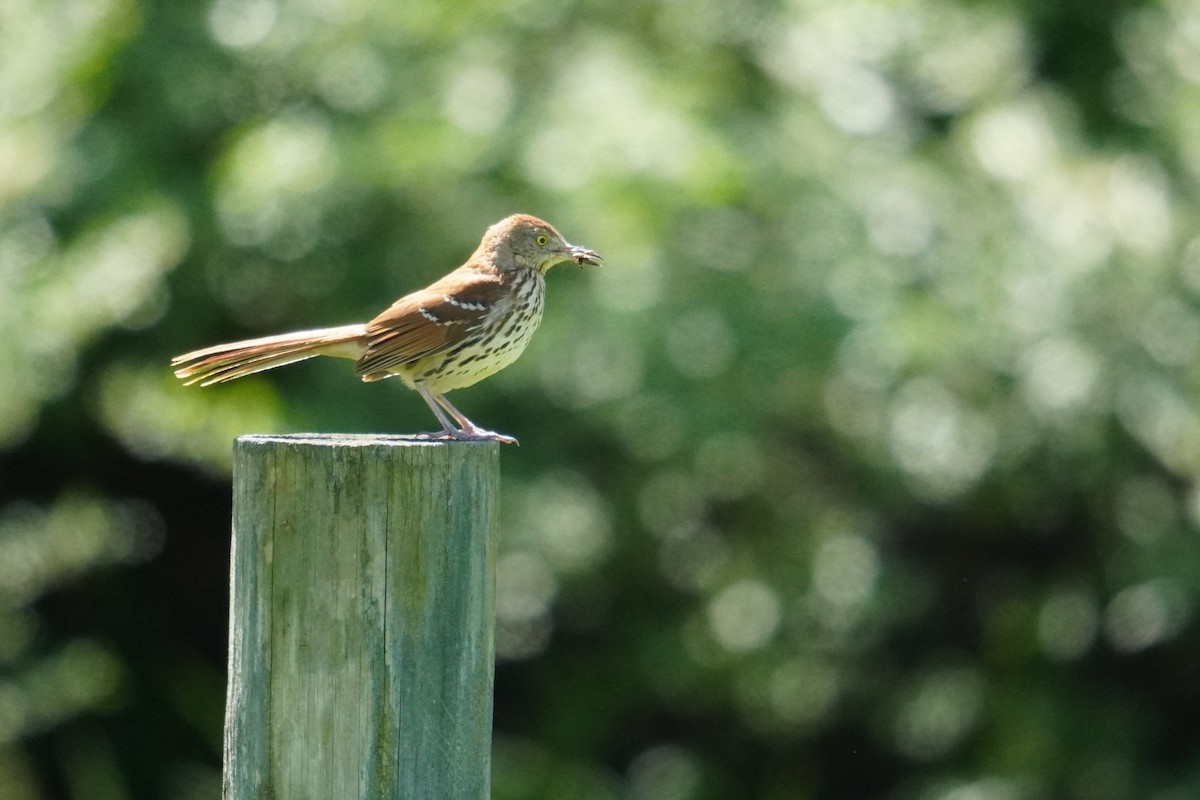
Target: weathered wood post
361 618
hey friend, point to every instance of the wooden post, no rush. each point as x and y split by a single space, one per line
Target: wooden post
361 618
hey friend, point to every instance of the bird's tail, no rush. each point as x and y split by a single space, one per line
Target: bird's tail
225 362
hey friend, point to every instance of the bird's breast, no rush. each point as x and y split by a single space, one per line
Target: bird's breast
497 342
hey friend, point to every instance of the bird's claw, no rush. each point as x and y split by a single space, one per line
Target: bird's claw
472 435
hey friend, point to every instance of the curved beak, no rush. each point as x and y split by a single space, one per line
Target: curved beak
581 256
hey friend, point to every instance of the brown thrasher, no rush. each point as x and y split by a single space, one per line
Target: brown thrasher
459 330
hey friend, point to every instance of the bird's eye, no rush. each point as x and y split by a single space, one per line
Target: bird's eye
542 239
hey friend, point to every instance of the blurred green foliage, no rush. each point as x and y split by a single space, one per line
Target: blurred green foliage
864 468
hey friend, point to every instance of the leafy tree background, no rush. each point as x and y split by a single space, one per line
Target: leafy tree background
864 468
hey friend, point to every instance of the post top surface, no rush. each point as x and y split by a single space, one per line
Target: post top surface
355 440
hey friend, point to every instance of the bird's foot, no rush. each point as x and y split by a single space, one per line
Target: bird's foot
475 434
472 434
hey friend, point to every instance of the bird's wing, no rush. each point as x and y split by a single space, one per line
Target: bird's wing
430 321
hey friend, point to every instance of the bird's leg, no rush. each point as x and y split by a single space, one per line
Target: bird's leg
469 430
448 428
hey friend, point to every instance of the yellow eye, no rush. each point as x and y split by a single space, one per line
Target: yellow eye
541 240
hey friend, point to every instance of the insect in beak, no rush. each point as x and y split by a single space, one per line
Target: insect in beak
581 256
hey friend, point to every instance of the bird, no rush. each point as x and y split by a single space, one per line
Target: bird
458 330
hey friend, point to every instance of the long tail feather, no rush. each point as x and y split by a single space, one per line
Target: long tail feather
225 362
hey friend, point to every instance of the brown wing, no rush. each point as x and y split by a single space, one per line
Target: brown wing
430 321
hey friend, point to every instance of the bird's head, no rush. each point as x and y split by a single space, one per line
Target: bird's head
525 242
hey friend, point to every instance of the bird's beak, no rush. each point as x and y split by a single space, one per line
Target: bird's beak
581 256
